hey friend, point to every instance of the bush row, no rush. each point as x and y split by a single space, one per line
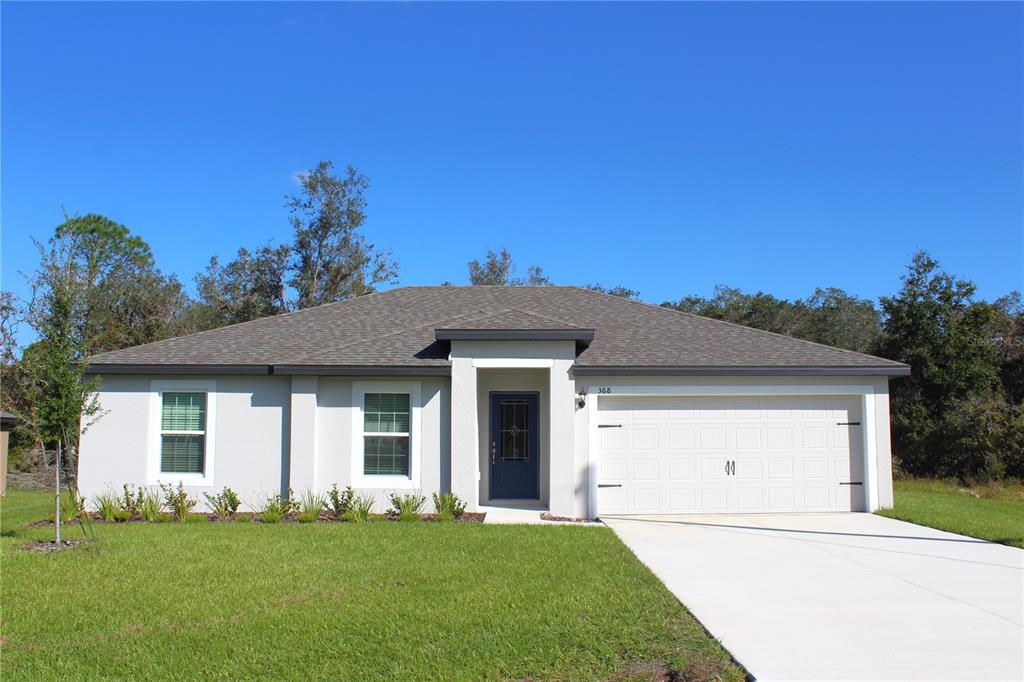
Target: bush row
150 505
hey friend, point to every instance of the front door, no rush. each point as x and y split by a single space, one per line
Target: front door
515 446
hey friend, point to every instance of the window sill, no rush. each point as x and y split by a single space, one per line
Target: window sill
190 480
385 482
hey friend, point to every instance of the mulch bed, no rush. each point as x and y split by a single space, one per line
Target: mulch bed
255 518
51 546
569 519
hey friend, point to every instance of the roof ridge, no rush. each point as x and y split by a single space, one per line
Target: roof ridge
498 313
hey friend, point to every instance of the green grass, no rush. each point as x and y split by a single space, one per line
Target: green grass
19 507
340 601
991 512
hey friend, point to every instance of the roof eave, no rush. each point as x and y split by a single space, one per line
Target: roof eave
175 368
742 370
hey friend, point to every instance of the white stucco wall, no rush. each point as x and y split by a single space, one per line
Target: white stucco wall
479 367
258 452
270 433
250 434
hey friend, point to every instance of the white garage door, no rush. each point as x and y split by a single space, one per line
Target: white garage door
715 455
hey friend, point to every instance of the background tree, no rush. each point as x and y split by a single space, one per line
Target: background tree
836 318
249 287
946 415
331 260
759 310
498 269
124 299
620 291
96 288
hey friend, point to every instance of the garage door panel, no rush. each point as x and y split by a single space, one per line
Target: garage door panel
646 469
613 439
613 500
682 468
749 468
682 439
714 499
712 468
781 499
712 438
681 500
694 454
646 500
643 438
750 499
615 469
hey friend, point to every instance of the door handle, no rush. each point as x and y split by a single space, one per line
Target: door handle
494 449
726 467
734 467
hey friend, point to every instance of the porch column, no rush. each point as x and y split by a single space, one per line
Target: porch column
561 425
302 434
465 460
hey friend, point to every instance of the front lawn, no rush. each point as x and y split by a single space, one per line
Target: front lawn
991 512
340 601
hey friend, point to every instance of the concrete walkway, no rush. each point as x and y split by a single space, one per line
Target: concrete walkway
842 596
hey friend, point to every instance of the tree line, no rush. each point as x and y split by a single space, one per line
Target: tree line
97 288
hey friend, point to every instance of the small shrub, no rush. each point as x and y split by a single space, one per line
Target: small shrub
406 507
107 505
131 500
121 515
243 519
448 506
311 505
72 506
340 501
178 501
360 509
274 509
224 504
149 509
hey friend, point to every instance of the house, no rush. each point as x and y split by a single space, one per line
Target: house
557 397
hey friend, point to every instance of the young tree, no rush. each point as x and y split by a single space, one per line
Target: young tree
96 288
249 287
499 270
331 259
934 325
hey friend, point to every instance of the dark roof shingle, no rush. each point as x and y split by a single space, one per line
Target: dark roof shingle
396 328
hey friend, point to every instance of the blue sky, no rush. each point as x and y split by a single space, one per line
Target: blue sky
666 147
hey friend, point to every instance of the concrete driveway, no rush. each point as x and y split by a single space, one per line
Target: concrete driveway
842 596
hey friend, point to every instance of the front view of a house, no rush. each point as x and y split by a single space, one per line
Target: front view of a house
559 398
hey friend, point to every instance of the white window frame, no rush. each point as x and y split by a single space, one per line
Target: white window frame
360 479
157 389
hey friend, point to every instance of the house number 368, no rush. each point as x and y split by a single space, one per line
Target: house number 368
604 389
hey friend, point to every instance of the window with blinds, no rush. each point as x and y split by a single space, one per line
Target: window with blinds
386 434
183 433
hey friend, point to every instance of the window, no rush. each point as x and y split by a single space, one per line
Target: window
183 433
386 422
181 438
386 443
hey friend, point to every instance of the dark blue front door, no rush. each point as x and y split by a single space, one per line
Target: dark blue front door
515 446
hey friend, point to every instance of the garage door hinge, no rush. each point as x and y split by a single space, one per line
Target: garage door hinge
609 485
609 426
851 482
847 423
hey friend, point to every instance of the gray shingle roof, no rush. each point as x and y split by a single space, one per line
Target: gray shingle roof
396 329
